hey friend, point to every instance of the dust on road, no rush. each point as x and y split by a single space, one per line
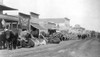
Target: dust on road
72 48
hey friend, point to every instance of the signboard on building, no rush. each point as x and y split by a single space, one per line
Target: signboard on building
24 20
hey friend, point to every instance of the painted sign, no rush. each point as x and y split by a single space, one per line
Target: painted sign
24 20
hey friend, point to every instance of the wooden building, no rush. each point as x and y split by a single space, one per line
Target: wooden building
7 20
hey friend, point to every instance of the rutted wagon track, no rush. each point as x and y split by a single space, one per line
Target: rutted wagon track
72 48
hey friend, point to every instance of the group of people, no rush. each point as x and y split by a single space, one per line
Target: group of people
12 40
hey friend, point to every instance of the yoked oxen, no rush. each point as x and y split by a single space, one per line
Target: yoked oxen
11 39
82 36
8 39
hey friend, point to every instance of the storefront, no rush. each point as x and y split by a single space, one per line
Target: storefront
7 20
36 29
10 22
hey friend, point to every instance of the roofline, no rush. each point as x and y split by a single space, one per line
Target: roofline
9 17
24 14
34 13
8 7
67 18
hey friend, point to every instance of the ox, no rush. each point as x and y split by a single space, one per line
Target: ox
11 39
2 39
8 39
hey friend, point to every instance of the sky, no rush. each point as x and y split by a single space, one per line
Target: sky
83 12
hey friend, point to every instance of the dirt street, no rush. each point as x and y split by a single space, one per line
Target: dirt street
72 48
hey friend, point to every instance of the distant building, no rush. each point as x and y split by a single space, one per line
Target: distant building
57 23
77 29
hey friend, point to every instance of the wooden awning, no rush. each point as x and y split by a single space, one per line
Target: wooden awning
9 17
36 25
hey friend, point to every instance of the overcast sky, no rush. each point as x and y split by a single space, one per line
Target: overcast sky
83 12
